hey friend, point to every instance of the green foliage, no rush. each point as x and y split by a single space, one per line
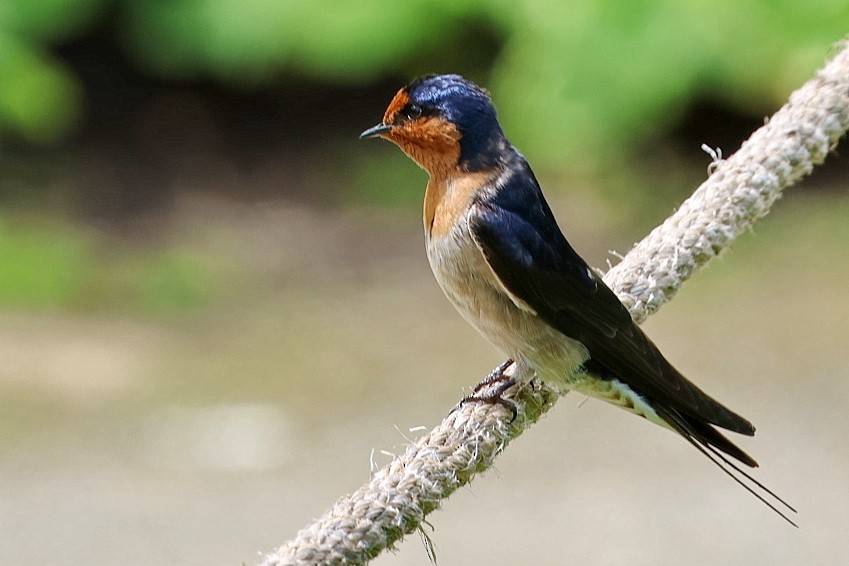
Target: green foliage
251 40
53 265
576 81
605 73
40 267
39 100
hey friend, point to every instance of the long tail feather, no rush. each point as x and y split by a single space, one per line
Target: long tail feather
710 443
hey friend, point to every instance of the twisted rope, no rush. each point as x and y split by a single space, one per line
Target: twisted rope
739 192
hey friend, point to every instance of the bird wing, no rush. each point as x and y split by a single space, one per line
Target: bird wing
519 238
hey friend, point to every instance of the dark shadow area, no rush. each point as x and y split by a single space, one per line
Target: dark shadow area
709 122
141 138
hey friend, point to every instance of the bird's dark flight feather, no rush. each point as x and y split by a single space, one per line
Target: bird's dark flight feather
519 238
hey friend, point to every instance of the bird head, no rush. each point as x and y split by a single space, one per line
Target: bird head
443 122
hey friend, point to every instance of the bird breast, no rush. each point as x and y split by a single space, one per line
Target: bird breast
473 288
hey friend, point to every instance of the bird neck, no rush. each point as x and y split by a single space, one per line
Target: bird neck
449 196
484 149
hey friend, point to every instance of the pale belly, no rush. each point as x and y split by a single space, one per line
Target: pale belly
473 289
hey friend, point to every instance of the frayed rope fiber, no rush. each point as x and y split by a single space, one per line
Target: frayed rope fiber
740 190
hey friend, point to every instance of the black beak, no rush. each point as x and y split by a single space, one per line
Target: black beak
375 131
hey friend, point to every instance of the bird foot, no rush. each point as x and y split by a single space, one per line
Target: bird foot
495 376
505 382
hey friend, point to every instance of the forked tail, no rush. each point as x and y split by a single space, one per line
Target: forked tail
712 444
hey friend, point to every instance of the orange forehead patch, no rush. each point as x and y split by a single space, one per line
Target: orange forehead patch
399 101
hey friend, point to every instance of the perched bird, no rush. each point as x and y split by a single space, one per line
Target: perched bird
499 256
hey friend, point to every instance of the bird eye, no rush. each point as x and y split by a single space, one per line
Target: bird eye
412 112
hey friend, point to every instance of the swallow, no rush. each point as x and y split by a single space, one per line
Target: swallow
500 258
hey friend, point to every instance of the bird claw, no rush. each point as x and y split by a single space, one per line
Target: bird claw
505 382
495 376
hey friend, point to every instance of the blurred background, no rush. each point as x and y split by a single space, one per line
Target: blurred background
216 313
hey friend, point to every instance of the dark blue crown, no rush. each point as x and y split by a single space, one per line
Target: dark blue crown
465 105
